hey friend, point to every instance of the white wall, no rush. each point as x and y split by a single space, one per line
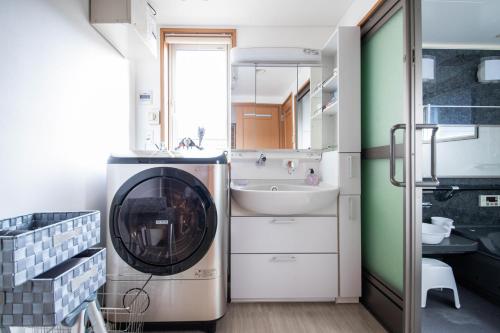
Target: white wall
64 106
147 77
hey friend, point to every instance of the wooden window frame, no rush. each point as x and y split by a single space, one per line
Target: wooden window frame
164 49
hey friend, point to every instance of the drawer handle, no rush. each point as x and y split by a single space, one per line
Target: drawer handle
275 221
284 259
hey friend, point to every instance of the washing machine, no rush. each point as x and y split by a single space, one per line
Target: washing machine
167 237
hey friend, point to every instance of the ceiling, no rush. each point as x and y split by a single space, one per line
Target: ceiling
250 12
271 81
473 22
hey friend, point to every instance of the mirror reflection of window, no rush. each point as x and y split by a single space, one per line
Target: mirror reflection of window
461 72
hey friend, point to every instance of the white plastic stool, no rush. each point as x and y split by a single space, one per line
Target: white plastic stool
437 274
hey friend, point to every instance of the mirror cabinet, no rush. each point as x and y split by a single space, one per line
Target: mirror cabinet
276 107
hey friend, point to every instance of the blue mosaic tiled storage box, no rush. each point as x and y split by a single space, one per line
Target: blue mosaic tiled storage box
49 298
32 244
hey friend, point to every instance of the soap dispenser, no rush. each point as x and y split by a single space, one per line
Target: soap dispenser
312 178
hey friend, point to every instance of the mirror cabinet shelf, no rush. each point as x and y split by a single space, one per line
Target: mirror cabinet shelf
340 61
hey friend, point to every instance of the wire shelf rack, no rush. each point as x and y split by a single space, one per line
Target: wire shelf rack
125 314
108 313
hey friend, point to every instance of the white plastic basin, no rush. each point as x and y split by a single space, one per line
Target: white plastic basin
433 234
443 222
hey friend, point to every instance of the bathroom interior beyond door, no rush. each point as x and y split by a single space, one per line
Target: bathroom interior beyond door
461 93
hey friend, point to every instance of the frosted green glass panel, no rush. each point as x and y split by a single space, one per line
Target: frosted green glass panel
382 107
382 83
382 223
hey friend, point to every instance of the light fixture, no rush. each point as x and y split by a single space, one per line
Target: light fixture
275 56
428 68
489 70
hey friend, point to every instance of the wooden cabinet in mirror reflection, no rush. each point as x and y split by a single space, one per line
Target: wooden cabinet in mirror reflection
264 126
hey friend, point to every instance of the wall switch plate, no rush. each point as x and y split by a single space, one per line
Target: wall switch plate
489 200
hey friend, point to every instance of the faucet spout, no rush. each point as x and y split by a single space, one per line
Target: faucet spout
262 160
291 167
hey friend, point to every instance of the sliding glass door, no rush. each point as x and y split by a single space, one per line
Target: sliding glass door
389 181
383 203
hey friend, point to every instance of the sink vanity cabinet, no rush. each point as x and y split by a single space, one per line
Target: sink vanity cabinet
291 241
284 235
284 258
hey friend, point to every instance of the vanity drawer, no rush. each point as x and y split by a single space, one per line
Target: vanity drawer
284 235
270 277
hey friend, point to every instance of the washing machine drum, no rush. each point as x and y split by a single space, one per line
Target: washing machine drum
162 221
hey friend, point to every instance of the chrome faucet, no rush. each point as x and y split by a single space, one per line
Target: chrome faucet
262 160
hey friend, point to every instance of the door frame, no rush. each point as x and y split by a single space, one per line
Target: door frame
412 170
412 194
413 241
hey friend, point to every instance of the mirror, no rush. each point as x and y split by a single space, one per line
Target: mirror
273 108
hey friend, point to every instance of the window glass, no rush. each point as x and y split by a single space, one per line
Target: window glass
200 96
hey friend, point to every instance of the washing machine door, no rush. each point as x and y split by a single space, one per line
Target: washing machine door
163 221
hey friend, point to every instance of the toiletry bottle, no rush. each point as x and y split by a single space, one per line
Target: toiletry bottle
312 178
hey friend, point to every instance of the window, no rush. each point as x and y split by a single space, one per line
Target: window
198 91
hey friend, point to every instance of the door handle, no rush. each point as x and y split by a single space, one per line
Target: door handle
435 181
392 155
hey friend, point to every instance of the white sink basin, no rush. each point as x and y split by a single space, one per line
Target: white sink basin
282 198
